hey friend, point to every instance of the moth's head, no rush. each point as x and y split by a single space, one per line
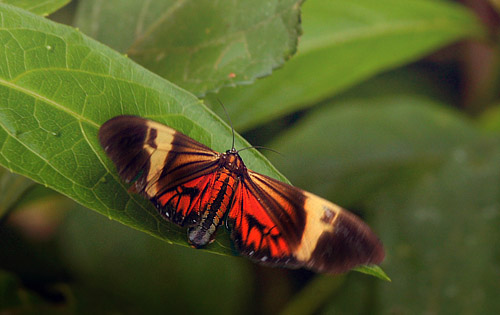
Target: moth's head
232 151
232 161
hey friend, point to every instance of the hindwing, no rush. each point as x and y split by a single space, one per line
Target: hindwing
278 224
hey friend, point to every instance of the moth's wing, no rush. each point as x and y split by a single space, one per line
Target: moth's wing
166 166
277 224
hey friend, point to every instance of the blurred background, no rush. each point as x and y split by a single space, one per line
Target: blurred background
390 109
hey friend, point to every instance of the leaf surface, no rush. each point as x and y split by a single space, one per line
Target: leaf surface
200 45
40 7
346 42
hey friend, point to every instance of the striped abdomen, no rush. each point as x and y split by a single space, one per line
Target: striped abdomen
221 194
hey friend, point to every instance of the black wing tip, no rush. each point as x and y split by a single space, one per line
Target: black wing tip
122 138
108 128
114 131
352 243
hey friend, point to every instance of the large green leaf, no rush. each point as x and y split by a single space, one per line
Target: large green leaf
57 87
201 45
38 7
345 42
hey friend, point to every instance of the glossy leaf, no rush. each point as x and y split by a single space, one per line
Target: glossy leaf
345 42
200 45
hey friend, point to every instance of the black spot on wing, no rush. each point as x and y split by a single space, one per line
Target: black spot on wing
151 141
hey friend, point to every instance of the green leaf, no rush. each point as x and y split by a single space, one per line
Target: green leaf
344 43
200 45
57 87
43 8
374 270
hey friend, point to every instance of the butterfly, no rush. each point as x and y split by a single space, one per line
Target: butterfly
271 222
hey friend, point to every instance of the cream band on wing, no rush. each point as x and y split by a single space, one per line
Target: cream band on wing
163 142
315 224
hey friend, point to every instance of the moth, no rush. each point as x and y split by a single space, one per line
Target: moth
271 222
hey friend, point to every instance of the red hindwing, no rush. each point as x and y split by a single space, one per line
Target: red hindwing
278 224
183 203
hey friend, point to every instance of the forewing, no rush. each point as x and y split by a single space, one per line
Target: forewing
278 224
166 166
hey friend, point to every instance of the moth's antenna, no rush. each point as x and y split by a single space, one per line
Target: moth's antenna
232 129
259 147
230 122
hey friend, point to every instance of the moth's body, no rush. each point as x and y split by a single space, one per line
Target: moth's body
221 191
270 222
